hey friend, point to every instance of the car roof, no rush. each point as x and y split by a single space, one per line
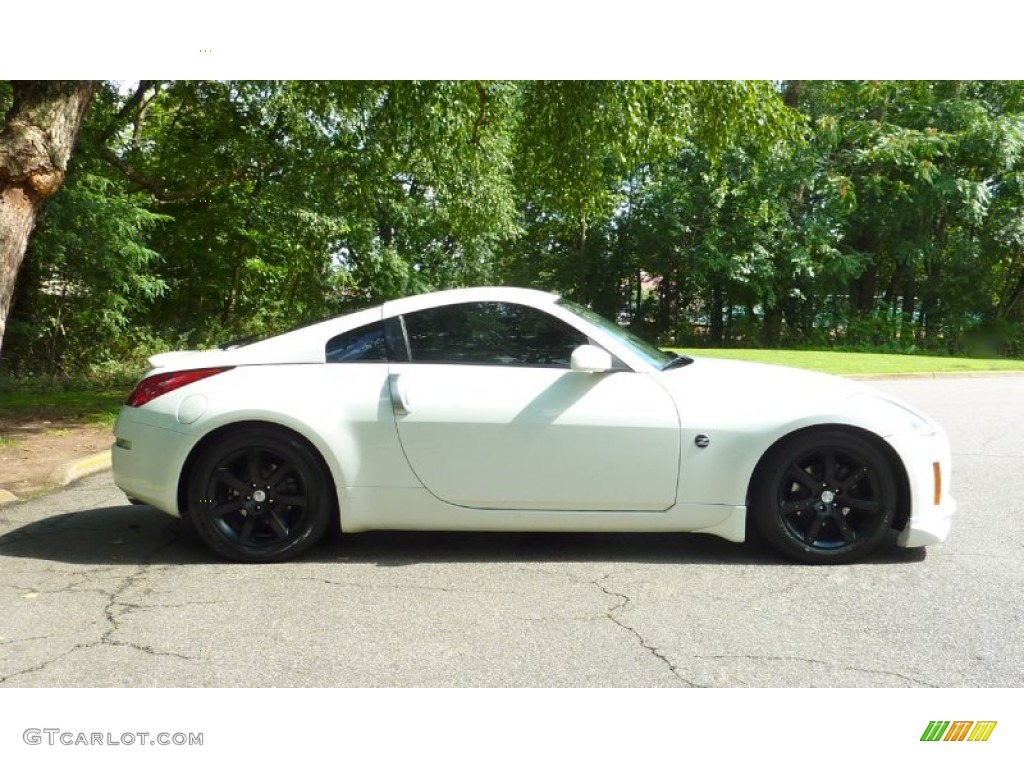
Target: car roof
527 296
306 344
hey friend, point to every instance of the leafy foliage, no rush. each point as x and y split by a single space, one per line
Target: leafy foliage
878 215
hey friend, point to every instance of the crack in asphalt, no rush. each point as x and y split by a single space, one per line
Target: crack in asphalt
135 607
114 611
745 657
24 640
38 667
652 649
454 590
385 587
674 669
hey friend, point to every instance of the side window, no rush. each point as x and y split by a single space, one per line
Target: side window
365 344
490 333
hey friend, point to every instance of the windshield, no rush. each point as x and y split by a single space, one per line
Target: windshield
647 351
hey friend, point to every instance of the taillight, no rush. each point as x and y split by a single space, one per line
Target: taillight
161 383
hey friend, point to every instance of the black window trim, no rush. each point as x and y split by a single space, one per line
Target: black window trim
397 340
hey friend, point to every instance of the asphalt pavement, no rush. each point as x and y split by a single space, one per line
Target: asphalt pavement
97 592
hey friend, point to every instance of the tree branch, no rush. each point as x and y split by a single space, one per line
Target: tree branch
135 104
481 115
162 192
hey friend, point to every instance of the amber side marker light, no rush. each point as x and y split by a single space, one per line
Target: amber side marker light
937 473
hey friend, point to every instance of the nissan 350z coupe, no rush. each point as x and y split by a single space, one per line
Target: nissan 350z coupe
506 409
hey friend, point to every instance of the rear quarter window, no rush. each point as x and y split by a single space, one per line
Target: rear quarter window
366 344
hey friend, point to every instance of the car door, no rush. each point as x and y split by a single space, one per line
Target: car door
490 415
356 418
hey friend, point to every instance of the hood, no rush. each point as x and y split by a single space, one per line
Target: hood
756 396
724 391
769 380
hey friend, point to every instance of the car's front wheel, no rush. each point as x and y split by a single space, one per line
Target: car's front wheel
826 497
260 494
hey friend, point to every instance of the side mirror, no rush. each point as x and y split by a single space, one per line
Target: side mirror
590 359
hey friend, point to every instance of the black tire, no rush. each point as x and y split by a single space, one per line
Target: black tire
825 497
259 495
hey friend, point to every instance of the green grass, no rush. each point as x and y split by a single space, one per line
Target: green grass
859 363
99 408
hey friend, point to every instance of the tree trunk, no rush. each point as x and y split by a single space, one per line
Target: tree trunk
35 145
907 309
862 291
931 305
771 328
717 308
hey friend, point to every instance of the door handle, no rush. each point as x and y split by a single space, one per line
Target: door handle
399 394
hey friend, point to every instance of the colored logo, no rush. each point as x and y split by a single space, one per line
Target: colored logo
958 730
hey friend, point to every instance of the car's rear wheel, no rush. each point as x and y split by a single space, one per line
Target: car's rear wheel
826 497
260 494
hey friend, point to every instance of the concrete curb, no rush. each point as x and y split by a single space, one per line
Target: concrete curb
67 473
73 470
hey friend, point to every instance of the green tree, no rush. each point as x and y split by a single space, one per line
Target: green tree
587 151
882 213
928 163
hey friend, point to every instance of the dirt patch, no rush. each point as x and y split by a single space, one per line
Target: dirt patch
31 450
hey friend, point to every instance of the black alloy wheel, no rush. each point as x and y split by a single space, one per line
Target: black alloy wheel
826 497
259 495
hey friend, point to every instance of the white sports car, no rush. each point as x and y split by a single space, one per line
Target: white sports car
506 409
